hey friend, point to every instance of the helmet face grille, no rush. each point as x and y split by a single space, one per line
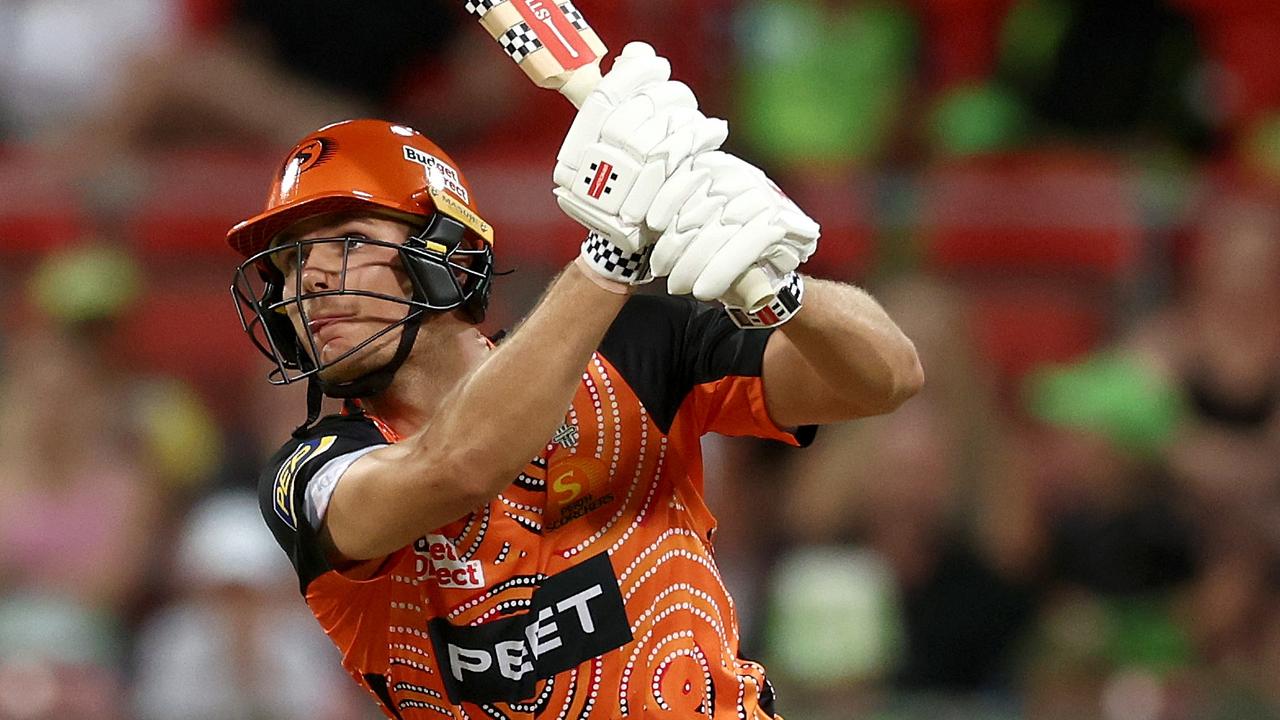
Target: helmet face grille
443 276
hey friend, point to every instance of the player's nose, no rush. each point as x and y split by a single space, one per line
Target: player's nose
322 267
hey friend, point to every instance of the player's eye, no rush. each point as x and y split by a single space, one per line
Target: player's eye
287 258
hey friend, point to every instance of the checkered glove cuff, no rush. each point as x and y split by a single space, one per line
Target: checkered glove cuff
788 300
615 263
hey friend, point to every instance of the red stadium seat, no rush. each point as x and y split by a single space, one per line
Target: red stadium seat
843 206
1051 213
195 196
1020 328
186 326
39 207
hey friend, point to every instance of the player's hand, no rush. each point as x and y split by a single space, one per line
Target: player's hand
736 219
622 154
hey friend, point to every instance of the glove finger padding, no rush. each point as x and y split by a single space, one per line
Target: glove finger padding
637 67
625 120
670 246
698 211
629 151
738 254
699 251
746 205
676 192
693 133
644 121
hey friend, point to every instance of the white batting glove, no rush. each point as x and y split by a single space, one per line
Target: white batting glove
629 139
735 220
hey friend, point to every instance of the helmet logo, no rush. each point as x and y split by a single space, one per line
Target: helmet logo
313 153
307 156
440 174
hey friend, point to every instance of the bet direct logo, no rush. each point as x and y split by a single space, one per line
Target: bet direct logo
574 616
438 560
440 174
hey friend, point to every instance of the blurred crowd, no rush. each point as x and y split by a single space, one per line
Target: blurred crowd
1071 206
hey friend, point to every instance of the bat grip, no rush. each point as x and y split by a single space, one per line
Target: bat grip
753 290
580 83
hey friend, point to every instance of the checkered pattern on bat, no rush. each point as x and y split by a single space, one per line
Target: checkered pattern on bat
573 16
480 8
520 41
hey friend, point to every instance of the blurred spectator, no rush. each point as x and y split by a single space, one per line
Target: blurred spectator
1118 527
64 60
1113 641
945 582
94 448
822 82
1218 341
280 68
79 513
58 659
235 644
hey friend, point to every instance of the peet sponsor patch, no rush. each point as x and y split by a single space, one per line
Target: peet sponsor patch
575 615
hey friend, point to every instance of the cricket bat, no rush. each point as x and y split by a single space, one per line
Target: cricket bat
558 50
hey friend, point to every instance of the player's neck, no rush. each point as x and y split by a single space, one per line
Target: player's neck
443 356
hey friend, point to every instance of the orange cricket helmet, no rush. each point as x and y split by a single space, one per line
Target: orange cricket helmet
361 164
350 166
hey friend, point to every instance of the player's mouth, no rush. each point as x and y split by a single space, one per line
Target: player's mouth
326 328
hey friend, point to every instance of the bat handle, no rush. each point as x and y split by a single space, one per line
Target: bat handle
580 83
753 290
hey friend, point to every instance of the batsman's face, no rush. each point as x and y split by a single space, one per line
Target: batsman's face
336 324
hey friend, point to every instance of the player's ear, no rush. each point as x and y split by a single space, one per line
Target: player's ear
432 277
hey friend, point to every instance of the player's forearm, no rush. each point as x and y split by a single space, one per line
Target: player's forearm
856 349
508 408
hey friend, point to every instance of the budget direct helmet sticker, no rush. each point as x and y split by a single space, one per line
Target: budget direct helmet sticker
440 174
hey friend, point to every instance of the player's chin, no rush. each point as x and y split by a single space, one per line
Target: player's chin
339 364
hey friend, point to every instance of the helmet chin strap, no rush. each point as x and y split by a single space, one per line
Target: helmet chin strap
367 385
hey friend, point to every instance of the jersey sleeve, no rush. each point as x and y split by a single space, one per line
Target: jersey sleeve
682 356
282 487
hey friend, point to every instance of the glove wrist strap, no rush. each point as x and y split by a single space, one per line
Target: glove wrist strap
786 303
604 283
614 263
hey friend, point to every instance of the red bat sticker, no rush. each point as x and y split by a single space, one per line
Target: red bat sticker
556 32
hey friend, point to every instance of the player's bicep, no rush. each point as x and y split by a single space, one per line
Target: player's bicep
389 497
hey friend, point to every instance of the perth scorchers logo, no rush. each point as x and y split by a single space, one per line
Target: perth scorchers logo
307 156
314 153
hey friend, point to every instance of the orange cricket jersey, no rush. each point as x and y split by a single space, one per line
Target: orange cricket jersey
588 588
